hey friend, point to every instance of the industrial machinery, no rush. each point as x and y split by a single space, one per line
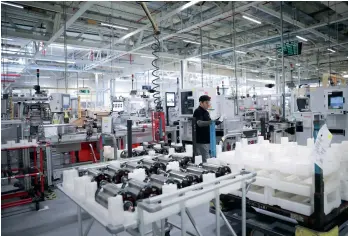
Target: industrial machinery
153 167
183 179
327 105
181 158
157 182
133 191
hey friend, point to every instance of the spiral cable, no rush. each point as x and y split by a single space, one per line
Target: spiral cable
156 94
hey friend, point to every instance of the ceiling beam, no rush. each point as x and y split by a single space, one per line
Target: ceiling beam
72 19
187 29
295 23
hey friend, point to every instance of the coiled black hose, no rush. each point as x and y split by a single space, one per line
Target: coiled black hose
156 48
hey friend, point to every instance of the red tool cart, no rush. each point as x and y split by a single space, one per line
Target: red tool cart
29 174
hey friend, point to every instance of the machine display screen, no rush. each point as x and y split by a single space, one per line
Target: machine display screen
66 101
336 103
170 99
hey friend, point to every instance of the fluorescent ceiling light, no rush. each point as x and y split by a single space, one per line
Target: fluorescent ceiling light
188 41
251 19
148 57
12 5
266 81
331 50
189 4
345 76
114 26
83 79
299 37
241 52
59 61
195 59
298 64
271 58
6 39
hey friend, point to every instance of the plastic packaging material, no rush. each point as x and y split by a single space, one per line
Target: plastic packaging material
198 160
171 151
79 186
68 179
115 210
173 165
137 174
189 149
90 189
108 153
115 164
152 153
284 140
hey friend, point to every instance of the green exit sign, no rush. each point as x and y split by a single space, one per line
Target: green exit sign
84 91
291 48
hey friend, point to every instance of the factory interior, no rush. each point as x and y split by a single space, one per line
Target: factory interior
174 118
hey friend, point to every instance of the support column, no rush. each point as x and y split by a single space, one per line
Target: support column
283 72
96 91
183 68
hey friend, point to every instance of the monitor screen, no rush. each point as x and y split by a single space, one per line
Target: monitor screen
170 99
336 102
66 101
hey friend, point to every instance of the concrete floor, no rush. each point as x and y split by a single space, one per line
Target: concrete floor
60 219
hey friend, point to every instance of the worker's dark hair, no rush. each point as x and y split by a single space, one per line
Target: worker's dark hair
204 98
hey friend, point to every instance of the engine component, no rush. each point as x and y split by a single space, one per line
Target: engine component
184 179
199 172
98 176
219 170
117 174
153 167
134 191
157 181
130 166
124 154
183 160
178 148
163 159
136 152
161 150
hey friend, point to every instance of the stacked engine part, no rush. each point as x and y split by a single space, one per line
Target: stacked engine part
146 149
113 181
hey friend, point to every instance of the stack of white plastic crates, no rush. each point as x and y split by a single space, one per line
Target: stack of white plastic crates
285 173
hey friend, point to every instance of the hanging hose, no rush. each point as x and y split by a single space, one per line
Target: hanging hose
156 48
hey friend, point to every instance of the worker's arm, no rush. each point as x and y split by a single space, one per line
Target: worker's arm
202 121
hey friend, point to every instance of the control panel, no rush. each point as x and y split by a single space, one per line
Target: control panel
59 102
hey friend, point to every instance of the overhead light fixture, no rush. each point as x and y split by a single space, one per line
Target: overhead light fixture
59 61
298 64
195 59
12 5
303 39
331 50
6 39
148 57
83 79
240 52
345 76
187 5
114 26
188 41
271 58
251 19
